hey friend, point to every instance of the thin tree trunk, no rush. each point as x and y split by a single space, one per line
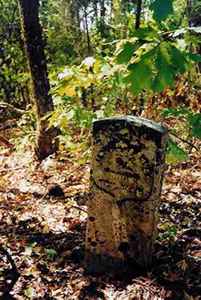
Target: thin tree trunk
124 6
138 14
102 9
102 18
46 142
87 32
95 6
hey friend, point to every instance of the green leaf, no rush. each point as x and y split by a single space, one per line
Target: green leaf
165 71
147 33
51 253
29 292
172 231
195 123
178 59
194 57
125 55
140 77
174 153
158 85
147 52
161 9
175 112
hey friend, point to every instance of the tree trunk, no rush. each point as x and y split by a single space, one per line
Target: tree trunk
138 14
46 141
126 178
95 7
102 19
87 32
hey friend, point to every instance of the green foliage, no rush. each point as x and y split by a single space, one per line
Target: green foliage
175 153
154 65
51 253
193 120
161 9
12 60
155 54
176 112
169 231
194 57
195 124
126 53
85 92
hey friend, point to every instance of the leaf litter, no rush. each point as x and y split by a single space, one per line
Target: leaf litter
44 232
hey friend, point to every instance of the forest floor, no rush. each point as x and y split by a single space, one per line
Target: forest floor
42 234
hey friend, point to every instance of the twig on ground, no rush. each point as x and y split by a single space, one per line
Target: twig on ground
183 140
77 207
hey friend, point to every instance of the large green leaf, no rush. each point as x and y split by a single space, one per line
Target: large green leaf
154 65
127 52
169 62
178 59
141 71
161 9
165 72
158 85
140 77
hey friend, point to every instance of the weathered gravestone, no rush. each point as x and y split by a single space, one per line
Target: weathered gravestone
125 185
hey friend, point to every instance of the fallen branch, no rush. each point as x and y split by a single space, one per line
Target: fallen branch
183 140
10 107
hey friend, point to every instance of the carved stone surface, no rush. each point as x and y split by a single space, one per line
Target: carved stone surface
125 185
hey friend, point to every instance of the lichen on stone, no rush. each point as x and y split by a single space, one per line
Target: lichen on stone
126 170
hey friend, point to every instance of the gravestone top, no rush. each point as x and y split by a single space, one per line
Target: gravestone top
137 121
148 129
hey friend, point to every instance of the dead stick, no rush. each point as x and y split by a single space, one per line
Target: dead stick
183 140
78 208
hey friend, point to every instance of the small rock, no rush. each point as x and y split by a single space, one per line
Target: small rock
55 191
